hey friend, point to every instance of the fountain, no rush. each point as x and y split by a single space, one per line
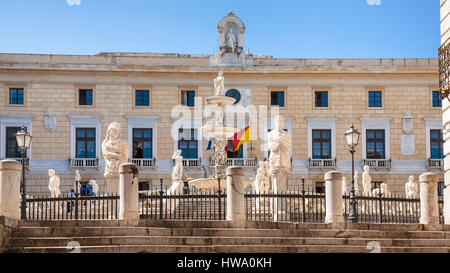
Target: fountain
220 133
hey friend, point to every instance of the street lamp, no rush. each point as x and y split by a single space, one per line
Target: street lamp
352 136
23 139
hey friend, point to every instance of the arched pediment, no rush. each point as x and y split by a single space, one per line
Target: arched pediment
231 25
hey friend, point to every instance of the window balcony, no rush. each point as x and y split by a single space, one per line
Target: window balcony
435 164
144 163
322 164
241 162
378 164
192 162
84 163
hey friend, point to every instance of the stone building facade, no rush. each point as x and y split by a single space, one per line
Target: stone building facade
68 101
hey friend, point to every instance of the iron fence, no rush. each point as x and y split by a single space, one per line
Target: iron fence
380 208
298 205
163 205
65 207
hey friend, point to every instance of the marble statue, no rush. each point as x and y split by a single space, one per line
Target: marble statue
95 186
411 188
54 183
344 185
115 150
49 119
261 184
177 172
384 190
219 85
356 178
279 142
366 181
231 41
77 185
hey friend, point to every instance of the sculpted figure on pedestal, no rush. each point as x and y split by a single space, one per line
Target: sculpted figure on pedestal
279 142
411 188
95 186
177 171
115 151
54 183
356 178
219 85
344 185
366 181
261 184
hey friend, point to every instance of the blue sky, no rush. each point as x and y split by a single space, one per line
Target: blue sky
281 28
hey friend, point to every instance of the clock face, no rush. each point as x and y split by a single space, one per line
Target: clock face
233 93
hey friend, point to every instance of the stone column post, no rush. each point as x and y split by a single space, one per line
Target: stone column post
429 207
10 174
333 198
235 195
129 192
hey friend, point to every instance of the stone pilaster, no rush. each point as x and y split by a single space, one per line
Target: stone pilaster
129 192
235 195
10 172
429 207
333 198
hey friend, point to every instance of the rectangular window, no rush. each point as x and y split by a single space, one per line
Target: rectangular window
277 98
321 98
188 98
375 143
320 187
12 150
187 143
85 97
441 187
142 97
436 144
142 143
321 141
16 95
231 153
85 142
436 99
375 99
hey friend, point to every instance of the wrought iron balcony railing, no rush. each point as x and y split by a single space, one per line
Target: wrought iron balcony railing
435 164
241 162
143 162
84 163
322 164
378 164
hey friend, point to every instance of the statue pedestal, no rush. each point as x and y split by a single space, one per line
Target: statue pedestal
279 187
112 185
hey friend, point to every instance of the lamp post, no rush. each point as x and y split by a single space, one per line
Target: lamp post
23 139
352 136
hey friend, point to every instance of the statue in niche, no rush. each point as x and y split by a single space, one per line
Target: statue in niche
231 41
261 184
219 85
366 181
279 144
49 119
54 183
408 123
115 151
411 188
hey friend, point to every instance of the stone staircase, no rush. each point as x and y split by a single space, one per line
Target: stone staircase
150 236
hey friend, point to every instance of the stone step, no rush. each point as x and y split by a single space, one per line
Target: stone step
194 240
227 249
239 232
